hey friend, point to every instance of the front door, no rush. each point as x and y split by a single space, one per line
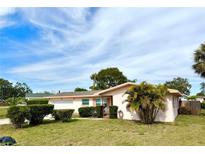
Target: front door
106 104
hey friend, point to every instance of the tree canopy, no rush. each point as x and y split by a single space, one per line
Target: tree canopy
80 89
199 61
107 78
7 89
181 84
147 100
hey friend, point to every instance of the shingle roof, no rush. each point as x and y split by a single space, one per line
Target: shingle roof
78 93
38 95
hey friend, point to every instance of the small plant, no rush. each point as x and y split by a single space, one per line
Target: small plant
38 112
113 112
63 115
18 114
37 101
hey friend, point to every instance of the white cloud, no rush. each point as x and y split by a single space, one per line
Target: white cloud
146 44
4 12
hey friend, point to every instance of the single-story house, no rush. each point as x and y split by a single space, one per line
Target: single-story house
113 96
37 95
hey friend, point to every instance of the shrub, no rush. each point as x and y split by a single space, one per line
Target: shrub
99 111
113 112
193 97
203 105
147 100
38 112
86 111
184 110
37 101
15 100
18 114
63 115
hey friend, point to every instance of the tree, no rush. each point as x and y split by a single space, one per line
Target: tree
199 60
6 89
202 87
21 89
80 89
107 78
181 84
147 100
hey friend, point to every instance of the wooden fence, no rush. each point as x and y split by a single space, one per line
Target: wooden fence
193 106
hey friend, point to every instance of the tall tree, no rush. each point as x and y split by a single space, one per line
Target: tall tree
181 84
80 89
6 89
202 87
107 78
20 89
199 60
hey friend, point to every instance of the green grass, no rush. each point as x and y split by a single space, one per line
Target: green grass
3 112
186 130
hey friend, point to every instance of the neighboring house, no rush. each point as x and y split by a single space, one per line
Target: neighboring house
114 96
201 99
37 95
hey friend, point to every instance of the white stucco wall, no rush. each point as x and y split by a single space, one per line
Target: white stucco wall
168 115
65 103
118 97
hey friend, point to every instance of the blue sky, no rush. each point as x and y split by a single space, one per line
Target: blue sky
59 48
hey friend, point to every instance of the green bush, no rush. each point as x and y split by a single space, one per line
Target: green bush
63 115
38 112
18 114
184 110
203 105
37 101
15 100
113 112
99 111
86 111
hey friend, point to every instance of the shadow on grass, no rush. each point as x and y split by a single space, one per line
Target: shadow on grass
47 122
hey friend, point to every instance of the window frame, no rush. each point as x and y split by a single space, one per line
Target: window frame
100 102
85 99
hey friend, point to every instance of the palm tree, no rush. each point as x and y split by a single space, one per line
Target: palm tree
146 100
202 87
199 59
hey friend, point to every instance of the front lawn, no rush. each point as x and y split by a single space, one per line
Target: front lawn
3 112
186 130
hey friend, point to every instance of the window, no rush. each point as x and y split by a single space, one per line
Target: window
98 101
85 101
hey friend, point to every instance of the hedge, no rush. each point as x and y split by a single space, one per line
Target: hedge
37 101
113 112
86 111
203 105
99 111
38 112
63 115
18 114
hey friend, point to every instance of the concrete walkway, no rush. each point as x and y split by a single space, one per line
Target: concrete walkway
5 121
